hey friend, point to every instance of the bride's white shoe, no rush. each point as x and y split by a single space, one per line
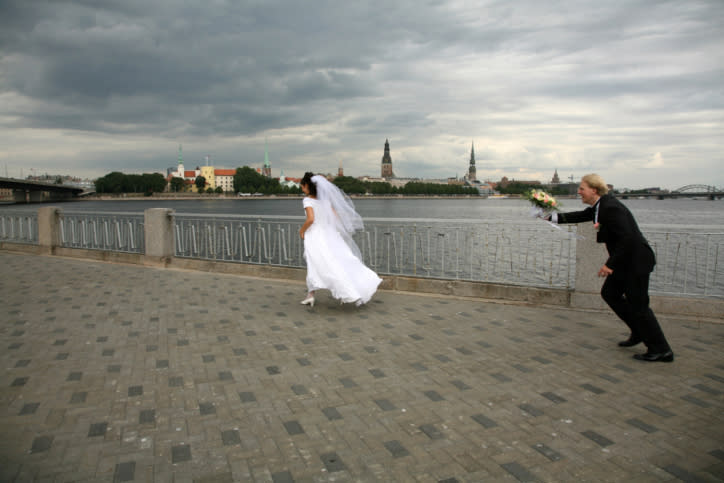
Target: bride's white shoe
308 301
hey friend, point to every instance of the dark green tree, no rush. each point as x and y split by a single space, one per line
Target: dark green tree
177 185
200 183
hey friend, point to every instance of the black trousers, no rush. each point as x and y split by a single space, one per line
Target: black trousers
628 296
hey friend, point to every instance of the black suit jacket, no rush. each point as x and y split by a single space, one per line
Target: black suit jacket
627 248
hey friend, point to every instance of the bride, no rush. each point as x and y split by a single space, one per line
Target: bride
333 258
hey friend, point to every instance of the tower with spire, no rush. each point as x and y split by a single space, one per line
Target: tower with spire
266 171
180 168
340 171
556 179
387 162
471 170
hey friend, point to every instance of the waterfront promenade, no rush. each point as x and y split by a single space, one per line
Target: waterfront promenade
116 372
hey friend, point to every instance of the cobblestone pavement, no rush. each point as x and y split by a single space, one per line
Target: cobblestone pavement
128 373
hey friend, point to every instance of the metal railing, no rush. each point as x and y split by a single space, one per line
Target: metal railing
452 249
19 227
117 232
687 262
531 253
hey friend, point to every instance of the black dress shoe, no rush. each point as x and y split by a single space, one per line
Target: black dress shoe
667 356
630 342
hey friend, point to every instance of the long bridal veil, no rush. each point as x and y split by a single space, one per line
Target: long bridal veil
340 214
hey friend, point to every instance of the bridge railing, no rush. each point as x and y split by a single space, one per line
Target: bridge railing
450 249
687 262
19 227
529 253
117 232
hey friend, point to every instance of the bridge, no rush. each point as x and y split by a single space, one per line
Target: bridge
26 191
687 191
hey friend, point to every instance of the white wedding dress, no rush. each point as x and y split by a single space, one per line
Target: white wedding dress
332 258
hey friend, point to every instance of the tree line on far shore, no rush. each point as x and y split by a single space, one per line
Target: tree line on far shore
248 180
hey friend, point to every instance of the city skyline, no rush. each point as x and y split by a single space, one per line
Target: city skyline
629 90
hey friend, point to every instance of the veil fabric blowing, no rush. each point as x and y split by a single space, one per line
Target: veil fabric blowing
340 213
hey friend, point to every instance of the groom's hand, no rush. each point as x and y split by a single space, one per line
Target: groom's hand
604 271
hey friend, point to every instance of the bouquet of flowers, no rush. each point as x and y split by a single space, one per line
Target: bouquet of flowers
542 202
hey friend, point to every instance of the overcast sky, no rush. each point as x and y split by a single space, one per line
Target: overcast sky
632 90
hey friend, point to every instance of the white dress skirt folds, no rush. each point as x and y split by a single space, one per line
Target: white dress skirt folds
333 261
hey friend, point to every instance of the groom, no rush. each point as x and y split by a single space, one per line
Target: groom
627 269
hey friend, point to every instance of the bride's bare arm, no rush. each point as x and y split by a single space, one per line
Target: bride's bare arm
308 222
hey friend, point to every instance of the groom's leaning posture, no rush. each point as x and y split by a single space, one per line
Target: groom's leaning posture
627 269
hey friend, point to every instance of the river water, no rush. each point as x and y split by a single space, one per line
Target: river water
688 214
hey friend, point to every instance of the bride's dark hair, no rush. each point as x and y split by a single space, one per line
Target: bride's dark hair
307 180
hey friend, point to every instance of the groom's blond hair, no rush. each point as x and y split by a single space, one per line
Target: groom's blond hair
596 182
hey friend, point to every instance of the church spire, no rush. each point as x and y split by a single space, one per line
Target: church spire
267 166
387 162
471 169
180 156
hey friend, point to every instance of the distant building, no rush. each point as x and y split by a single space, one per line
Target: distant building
556 179
214 177
340 171
471 169
289 182
266 170
386 171
504 182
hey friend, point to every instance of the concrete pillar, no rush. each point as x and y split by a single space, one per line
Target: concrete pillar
590 256
158 228
48 228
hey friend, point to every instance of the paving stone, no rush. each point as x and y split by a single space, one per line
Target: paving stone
553 397
41 444
125 471
180 453
377 373
533 411
520 473
659 411
282 477
465 396
642 425
207 408
707 389
592 388
431 431
501 377
385 405
230 437
333 463
147 416
78 397
347 382
293 428
484 421
695 400
29 408
434 396
331 413
134 391
396 449
97 429
597 438
460 385
682 474
547 452
299 389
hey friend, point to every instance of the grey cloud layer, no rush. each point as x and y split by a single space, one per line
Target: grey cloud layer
550 77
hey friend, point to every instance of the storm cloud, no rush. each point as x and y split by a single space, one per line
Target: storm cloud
629 89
